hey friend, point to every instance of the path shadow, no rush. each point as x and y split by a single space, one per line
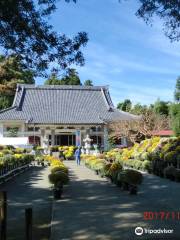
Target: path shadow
96 209
30 189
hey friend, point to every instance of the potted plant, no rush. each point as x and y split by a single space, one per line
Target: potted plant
58 178
57 190
169 172
130 179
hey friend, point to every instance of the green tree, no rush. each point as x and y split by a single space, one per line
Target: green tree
175 110
177 90
125 106
175 118
12 71
53 80
25 31
161 107
71 78
167 10
88 83
138 109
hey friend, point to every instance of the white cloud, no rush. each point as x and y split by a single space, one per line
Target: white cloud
140 93
103 60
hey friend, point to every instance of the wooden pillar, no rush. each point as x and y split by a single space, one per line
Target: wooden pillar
28 219
3 215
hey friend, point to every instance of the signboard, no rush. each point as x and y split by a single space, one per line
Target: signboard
78 138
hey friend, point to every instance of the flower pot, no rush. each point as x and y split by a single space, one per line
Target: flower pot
133 190
110 179
125 186
57 193
119 184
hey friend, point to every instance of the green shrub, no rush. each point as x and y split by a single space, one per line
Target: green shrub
19 150
130 176
177 175
138 164
54 148
169 172
9 159
177 149
39 158
106 169
59 168
9 147
170 157
144 156
28 158
130 163
147 165
7 151
154 156
99 166
114 169
57 177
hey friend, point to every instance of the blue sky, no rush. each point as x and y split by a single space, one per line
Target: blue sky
136 61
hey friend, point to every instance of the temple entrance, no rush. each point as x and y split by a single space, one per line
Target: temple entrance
65 140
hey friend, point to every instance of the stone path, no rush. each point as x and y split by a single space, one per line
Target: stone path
92 208
30 189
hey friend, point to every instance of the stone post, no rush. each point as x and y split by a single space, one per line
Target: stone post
42 137
22 133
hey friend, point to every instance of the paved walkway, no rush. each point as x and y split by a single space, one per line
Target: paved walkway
92 208
30 189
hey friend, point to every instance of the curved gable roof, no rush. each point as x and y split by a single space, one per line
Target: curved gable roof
51 104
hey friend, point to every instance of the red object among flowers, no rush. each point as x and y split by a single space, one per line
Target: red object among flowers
163 133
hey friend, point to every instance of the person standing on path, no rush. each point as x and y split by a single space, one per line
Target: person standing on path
78 155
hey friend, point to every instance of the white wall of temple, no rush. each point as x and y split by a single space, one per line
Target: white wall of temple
4 126
44 131
80 132
1 130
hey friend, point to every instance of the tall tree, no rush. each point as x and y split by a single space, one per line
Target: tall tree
88 83
167 10
138 109
25 31
175 110
161 107
53 80
125 106
175 118
177 90
71 78
12 71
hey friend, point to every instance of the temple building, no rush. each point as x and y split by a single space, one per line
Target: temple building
60 115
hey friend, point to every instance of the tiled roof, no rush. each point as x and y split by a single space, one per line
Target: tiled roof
63 105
